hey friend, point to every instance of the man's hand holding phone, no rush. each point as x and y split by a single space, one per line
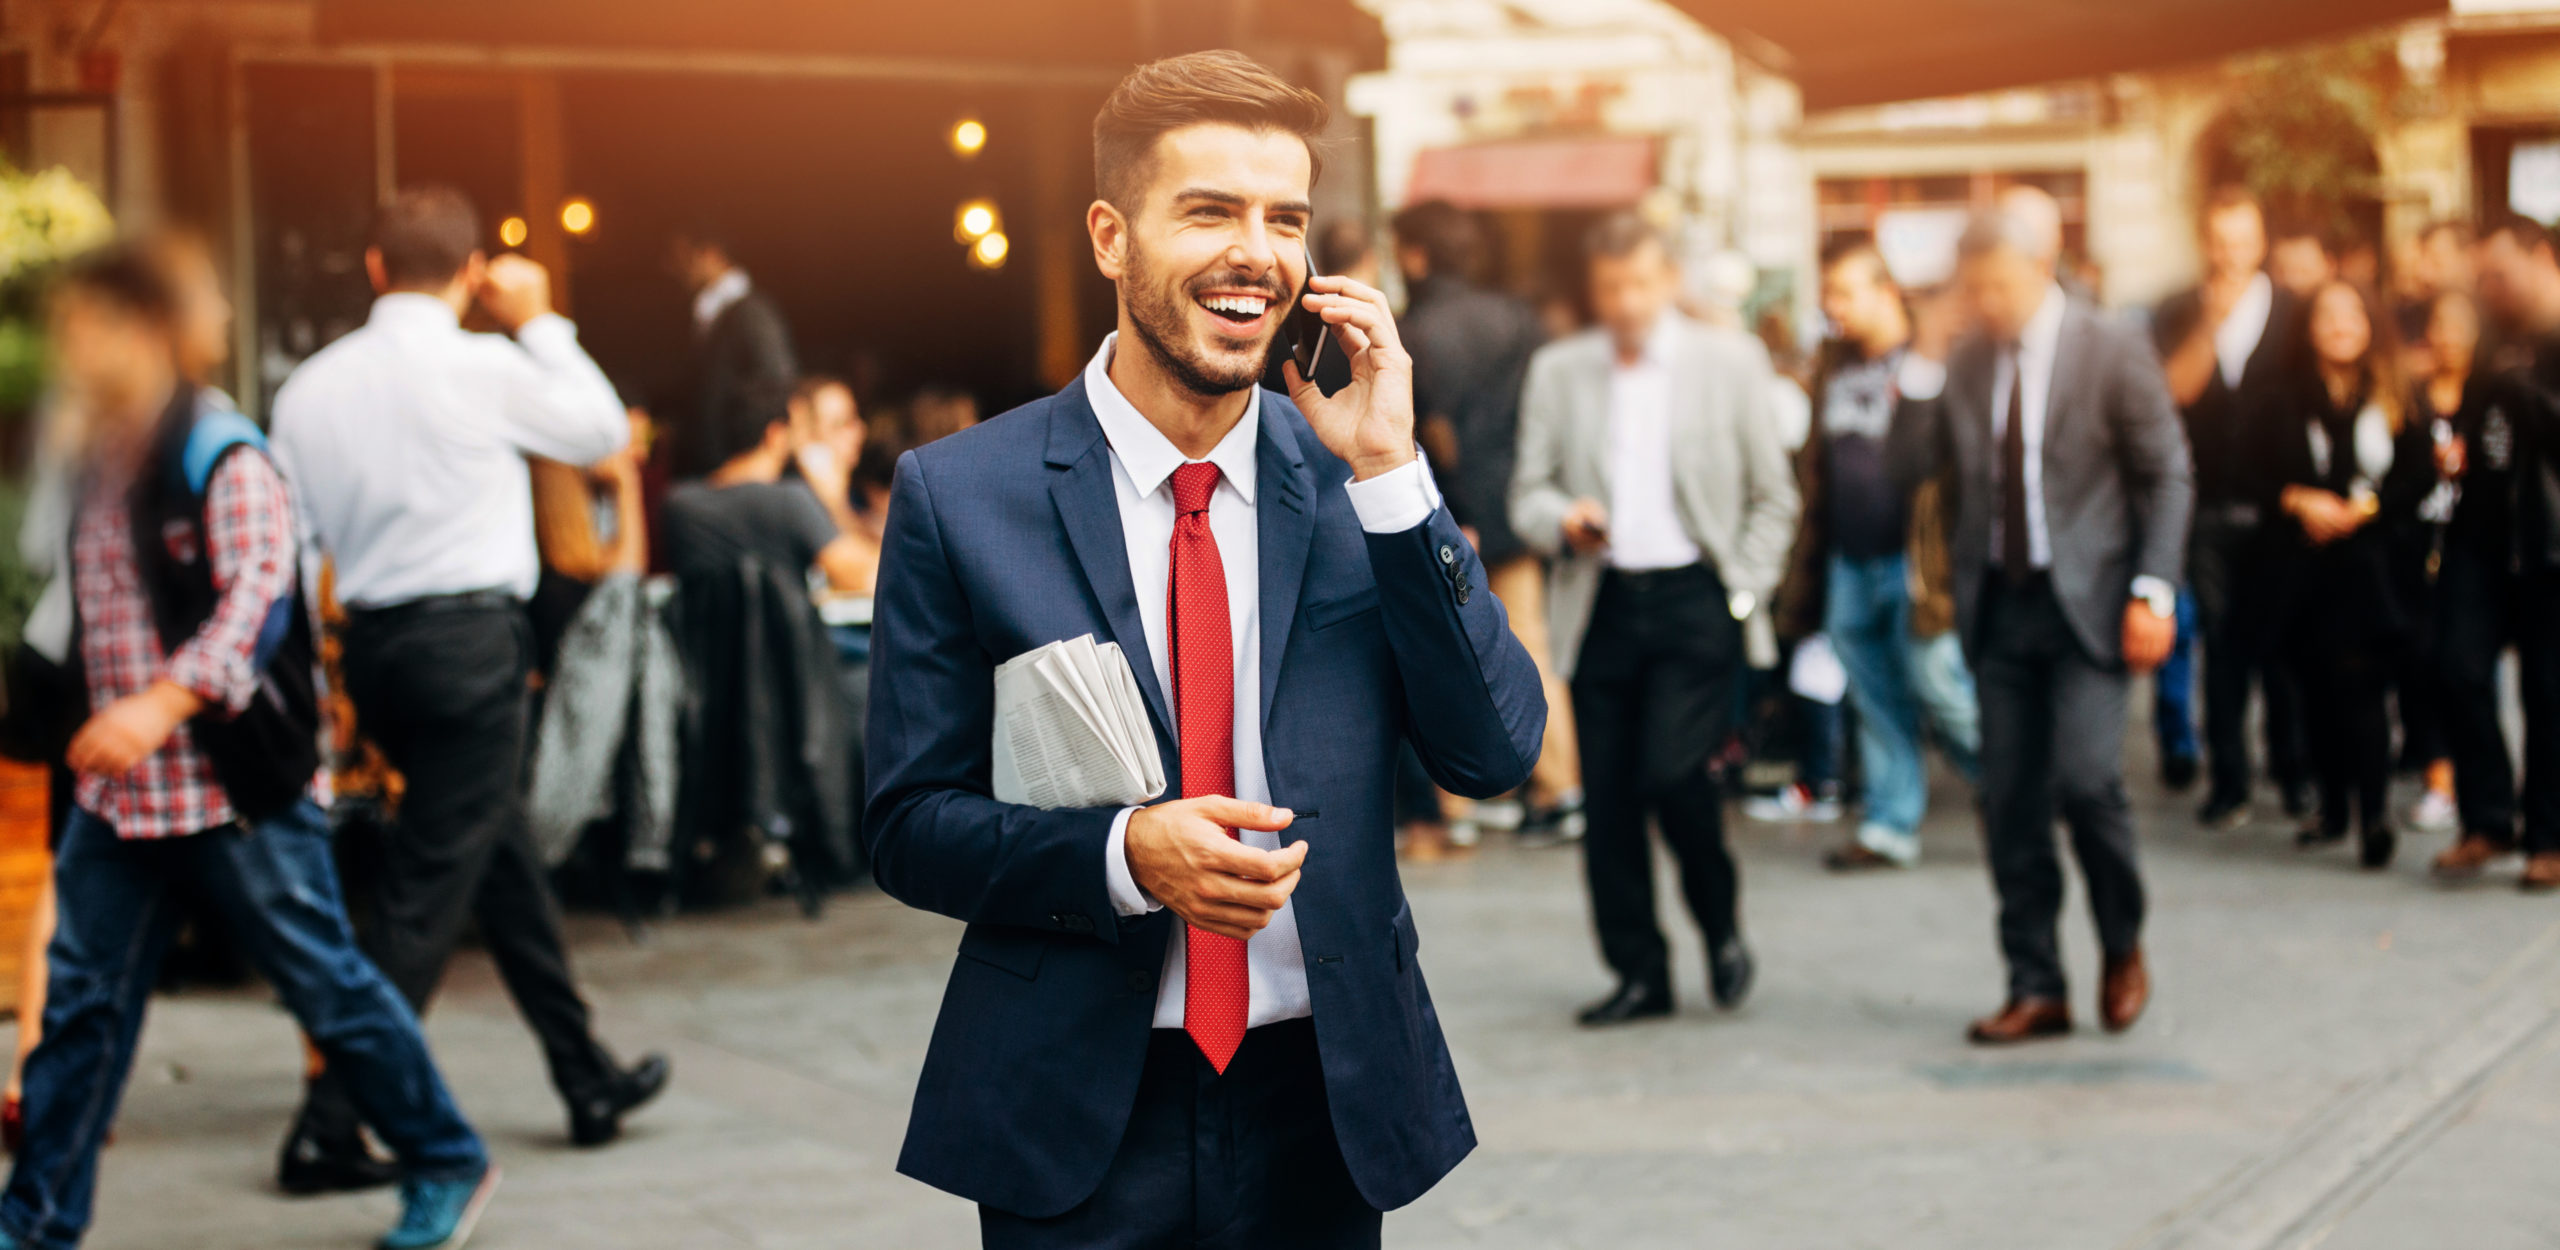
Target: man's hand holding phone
1181 854
1586 526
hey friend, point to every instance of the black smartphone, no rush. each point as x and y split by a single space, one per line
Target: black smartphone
1307 331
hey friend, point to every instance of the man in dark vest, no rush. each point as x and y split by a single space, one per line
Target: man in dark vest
198 768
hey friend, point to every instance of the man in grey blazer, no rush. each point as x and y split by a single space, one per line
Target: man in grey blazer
1651 474
2070 503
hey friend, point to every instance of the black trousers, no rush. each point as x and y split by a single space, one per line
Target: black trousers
2346 686
2224 561
1243 1161
2052 737
1653 696
440 686
2480 608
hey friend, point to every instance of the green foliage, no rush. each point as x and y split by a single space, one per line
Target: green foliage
2299 132
18 585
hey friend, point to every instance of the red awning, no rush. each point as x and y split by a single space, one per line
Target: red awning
1871 51
1605 171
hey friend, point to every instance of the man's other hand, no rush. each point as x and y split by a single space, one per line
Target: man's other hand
1586 526
516 290
2148 636
1181 854
126 732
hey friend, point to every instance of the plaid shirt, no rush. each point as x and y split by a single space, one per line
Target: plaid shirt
249 524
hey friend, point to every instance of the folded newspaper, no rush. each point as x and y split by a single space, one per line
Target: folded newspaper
1071 729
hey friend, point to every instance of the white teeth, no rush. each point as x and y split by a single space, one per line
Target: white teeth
1240 305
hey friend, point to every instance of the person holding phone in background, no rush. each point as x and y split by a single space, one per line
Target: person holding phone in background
1651 472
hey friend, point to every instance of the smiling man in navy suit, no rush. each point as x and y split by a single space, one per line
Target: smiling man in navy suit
1200 1022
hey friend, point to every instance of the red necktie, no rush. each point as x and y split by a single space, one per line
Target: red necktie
1214 989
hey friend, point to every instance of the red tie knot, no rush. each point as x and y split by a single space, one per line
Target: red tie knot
1192 485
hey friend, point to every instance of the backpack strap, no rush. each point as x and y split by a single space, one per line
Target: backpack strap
215 432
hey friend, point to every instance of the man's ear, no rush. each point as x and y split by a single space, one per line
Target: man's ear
375 273
1110 233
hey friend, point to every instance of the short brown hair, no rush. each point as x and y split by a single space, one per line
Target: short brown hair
1163 96
426 235
2229 196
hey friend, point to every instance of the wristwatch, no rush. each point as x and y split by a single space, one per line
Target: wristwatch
2158 595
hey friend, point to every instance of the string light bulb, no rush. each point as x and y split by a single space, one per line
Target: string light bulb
578 216
968 137
513 231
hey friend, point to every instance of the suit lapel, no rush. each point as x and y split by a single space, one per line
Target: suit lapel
1285 520
1089 509
2061 389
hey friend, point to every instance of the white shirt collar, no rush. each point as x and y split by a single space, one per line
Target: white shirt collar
2044 329
715 299
1657 344
1144 451
413 308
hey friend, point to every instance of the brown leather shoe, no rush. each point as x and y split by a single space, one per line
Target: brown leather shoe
2541 872
2022 1020
2124 992
2467 857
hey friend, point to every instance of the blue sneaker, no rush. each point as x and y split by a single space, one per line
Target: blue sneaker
438 1214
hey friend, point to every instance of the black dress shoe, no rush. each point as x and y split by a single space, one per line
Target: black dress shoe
2224 813
598 1119
2375 847
1635 1000
2316 837
2178 771
1729 972
310 1165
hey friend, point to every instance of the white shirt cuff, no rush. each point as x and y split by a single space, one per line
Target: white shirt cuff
548 331
1396 500
1126 898
1921 377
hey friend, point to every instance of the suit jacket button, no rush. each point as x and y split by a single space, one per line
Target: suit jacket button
1448 554
1464 592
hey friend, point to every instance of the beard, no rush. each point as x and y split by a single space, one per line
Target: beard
1160 313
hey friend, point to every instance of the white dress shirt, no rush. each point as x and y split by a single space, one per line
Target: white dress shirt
404 443
715 299
2038 345
1142 465
1645 529
2241 329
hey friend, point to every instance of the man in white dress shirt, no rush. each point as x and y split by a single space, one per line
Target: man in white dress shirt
1652 472
405 442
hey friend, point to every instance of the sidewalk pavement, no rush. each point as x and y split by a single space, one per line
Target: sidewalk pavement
2334 1058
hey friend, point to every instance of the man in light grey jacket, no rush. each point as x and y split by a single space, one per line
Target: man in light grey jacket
1651 474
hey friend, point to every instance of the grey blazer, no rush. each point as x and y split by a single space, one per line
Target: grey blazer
1732 480
2118 487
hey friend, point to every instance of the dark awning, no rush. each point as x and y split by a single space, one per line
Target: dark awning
1846 52
1603 171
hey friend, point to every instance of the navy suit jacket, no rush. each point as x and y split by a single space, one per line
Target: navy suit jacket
1007 536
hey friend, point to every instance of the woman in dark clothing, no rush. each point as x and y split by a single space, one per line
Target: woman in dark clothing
2450 399
2335 459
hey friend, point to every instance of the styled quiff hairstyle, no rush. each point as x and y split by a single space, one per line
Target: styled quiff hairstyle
1163 96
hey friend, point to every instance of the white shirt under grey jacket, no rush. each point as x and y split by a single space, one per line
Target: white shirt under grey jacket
405 445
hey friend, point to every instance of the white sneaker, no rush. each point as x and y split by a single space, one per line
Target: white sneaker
1795 804
2434 812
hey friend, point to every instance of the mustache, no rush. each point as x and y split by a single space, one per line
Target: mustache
1238 280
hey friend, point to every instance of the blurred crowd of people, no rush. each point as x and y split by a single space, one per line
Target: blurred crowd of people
572 632
543 620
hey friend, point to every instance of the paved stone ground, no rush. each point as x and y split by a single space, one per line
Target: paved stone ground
2340 1059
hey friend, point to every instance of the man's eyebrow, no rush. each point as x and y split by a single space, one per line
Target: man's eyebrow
1234 200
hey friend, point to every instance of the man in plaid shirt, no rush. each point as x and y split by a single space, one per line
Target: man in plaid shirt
159 803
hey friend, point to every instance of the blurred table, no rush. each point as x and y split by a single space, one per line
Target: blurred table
24 862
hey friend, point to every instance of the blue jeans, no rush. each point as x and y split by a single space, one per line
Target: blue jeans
2173 689
277 886
1869 620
